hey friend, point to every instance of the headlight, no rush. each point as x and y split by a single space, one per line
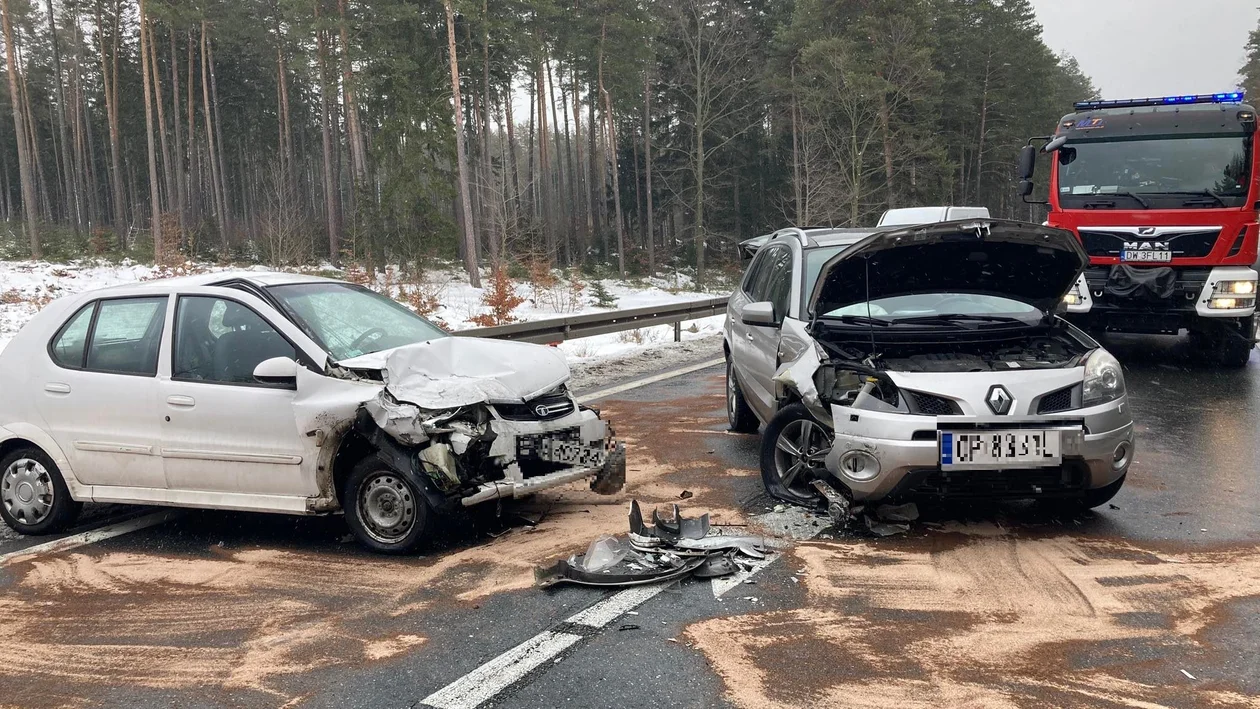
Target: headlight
1104 380
1232 295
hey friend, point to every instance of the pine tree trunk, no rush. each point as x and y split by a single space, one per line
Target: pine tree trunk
155 224
331 210
581 200
180 178
109 76
513 163
194 159
461 159
488 218
74 199
19 129
544 165
168 178
647 159
215 166
616 186
225 195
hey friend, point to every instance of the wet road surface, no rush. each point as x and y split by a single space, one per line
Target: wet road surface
1152 602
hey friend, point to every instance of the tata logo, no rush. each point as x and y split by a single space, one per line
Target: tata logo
1146 231
545 410
1147 245
999 400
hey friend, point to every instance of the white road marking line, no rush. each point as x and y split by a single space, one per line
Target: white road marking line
89 537
649 380
615 606
483 683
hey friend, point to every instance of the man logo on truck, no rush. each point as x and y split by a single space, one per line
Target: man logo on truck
1148 245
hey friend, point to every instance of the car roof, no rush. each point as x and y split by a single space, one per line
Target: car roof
258 278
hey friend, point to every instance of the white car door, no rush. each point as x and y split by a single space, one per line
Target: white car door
98 391
774 284
223 431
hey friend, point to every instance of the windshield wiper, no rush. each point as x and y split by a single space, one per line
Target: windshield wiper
957 318
1196 193
858 320
1121 193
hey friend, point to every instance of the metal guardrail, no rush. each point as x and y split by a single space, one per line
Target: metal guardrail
573 327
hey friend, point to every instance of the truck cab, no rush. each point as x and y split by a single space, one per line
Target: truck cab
1162 193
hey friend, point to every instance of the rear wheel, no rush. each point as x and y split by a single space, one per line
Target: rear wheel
738 413
33 495
793 449
384 509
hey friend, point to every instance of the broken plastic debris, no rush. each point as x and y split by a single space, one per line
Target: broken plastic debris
885 529
604 553
1187 674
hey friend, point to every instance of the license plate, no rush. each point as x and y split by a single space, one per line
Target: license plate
570 453
999 449
1145 255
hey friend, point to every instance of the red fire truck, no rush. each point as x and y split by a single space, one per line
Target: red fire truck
1163 193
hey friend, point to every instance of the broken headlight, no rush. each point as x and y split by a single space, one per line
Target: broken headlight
1104 380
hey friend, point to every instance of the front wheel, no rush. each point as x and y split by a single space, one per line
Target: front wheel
384 509
793 449
33 495
1101 496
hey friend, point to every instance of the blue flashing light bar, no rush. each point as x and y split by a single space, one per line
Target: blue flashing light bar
1226 97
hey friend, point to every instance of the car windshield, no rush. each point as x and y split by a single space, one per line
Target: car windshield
939 306
348 321
1167 172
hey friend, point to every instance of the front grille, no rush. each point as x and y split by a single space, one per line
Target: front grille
930 404
1012 484
1056 401
1189 283
553 406
1195 243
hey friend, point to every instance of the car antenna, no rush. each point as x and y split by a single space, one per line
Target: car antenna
870 320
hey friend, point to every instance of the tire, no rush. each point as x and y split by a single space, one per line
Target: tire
784 471
1224 345
1101 496
738 413
1235 352
385 509
33 496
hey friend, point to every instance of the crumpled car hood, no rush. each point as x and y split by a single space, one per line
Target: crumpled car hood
458 371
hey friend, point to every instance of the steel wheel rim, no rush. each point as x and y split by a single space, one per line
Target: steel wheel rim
800 449
27 491
387 508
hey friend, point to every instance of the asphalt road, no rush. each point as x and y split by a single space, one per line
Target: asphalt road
1152 602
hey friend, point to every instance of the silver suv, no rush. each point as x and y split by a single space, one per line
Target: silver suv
928 361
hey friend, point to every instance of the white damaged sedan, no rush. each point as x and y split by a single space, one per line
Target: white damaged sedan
929 361
276 392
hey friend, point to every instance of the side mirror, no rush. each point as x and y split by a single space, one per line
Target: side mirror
1055 144
1025 188
1027 163
277 371
761 314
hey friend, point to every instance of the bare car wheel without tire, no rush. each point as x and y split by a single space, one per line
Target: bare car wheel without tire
738 413
793 448
384 509
33 495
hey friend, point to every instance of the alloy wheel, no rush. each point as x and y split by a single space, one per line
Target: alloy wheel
27 491
801 447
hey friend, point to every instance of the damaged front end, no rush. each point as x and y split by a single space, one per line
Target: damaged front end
498 439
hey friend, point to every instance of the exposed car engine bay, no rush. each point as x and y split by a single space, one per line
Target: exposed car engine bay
857 362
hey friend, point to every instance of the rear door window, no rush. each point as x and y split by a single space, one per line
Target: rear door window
126 335
70 345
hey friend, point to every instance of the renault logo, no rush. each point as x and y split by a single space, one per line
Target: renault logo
999 400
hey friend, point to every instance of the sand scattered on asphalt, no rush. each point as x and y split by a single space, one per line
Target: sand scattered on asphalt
982 621
254 621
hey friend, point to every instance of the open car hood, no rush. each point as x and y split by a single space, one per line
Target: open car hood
448 372
1027 262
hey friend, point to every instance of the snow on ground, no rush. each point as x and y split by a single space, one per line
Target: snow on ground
25 286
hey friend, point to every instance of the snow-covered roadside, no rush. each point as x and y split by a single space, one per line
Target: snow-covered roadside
25 286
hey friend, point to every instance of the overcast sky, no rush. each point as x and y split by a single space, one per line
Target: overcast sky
1137 48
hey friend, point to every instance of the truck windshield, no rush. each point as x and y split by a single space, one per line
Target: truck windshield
1169 172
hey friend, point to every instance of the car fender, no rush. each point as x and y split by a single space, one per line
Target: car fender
45 442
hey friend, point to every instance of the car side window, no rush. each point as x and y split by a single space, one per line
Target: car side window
70 344
126 334
221 341
754 269
773 282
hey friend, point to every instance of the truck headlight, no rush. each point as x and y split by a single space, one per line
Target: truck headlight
1233 295
1104 380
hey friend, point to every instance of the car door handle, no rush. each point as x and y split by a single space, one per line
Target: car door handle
181 401
57 388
